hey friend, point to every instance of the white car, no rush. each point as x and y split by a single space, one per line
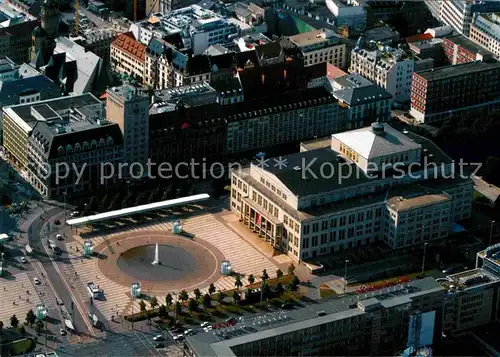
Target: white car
178 337
208 328
63 332
204 324
23 260
59 237
158 338
37 281
188 332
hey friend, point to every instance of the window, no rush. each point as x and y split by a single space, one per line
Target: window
315 227
314 241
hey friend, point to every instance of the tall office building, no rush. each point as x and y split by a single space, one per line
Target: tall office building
128 107
459 13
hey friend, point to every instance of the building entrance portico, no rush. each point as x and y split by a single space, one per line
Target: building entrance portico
266 226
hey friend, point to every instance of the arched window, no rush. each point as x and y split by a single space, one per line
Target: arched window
61 151
69 149
93 144
102 143
78 147
109 141
85 146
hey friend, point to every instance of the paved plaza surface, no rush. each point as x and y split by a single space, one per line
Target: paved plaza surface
14 298
245 260
184 263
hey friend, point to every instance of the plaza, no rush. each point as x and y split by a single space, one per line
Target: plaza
14 299
206 229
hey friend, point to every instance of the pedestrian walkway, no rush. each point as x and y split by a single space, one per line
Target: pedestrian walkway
17 296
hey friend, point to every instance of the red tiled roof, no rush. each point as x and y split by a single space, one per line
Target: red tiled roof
333 72
419 37
127 43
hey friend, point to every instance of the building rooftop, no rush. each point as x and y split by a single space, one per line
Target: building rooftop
469 45
10 91
192 95
128 44
416 200
370 143
220 342
312 37
457 70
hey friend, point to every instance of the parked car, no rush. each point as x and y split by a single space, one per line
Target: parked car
231 319
178 337
208 328
63 332
59 237
23 260
204 324
74 214
37 281
189 332
158 338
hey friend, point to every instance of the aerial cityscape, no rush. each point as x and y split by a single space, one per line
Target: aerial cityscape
224 178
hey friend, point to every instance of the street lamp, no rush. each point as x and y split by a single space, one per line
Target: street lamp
423 258
135 291
41 315
491 231
345 273
64 195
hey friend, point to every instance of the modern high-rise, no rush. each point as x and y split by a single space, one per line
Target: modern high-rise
361 186
452 91
459 13
128 106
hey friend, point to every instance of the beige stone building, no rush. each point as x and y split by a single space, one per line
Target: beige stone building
128 56
355 189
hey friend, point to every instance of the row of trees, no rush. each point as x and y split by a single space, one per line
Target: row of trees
119 200
206 299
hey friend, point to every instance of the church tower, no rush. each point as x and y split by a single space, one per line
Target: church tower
43 37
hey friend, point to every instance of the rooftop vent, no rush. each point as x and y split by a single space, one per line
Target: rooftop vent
378 128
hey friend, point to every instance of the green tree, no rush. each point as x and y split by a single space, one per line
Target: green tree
153 302
220 297
142 306
264 275
211 289
39 326
237 282
251 279
291 269
30 318
197 293
207 300
177 309
236 297
162 311
192 305
279 288
168 300
14 322
183 295
279 273
93 204
105 203
295 283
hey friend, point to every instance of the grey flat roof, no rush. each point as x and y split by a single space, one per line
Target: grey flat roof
457 70
209 344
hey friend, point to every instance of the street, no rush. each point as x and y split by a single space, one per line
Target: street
489 191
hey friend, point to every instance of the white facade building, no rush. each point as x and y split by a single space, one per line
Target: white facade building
346 12
459 13
485 31
198 27
320 46
329 199
391 69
